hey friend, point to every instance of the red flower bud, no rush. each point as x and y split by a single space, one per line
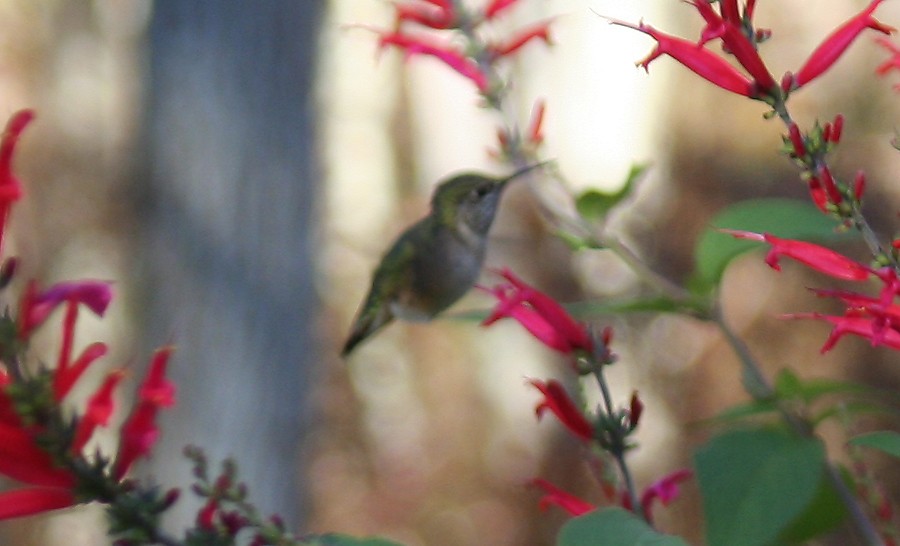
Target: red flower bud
838 128
635 409
797 140
859 185
830 186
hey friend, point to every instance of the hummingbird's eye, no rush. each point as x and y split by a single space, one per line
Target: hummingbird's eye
481 191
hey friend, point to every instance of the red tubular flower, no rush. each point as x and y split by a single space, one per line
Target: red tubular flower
864 327
64 378
10 188
817 194
893 62
557 401
730 12
830 50
139 433
99 409
495 7
432 16
33 500
696 58
728 27
22 460
540 314
454 59
541 31
819 258
556 496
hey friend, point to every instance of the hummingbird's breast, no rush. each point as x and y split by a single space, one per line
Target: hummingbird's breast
441 275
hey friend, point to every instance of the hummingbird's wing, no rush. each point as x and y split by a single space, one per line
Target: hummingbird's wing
393 273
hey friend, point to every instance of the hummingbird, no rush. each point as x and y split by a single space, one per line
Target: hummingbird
436 260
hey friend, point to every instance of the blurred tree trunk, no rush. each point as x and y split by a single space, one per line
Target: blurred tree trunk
226 212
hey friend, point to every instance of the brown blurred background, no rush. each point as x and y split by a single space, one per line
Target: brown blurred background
238 170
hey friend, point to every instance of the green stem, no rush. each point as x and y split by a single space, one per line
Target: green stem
617 449
758 387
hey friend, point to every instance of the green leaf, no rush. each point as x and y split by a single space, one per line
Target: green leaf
595 204
786 218
787 384
884 440
612 527
755 483
333 539
824 513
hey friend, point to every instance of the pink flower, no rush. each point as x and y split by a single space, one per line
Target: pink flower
665 490
819 258
558 402
37 305
830 50
556 496
542 316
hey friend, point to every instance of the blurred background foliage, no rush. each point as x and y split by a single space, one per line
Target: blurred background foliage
238 170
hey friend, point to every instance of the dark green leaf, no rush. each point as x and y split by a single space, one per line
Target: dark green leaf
884 440
595 204
612 527
824 513
782 217
755 483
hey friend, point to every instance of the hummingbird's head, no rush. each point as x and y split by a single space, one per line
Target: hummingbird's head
471 199
468 200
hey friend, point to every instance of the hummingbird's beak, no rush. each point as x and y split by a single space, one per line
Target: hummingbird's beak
522 171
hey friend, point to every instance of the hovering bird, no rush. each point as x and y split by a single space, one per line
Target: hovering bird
436 260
